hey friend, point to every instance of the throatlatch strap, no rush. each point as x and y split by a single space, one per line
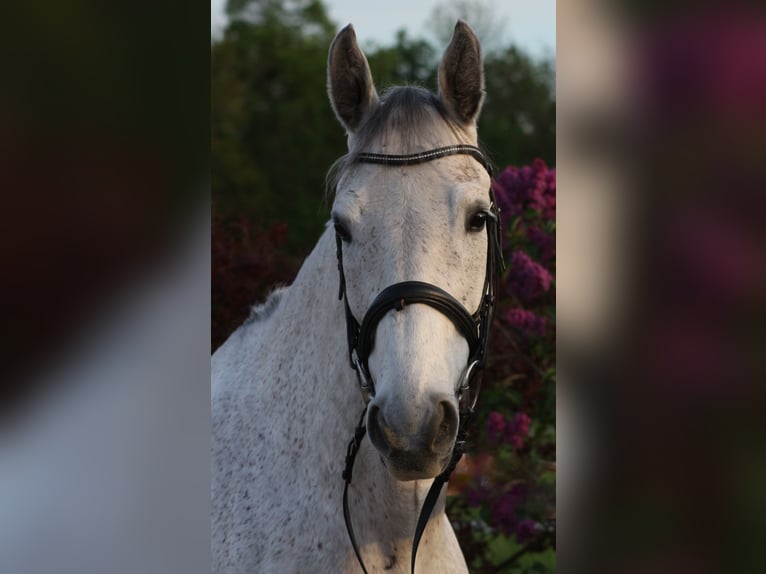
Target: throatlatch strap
436 487
353 448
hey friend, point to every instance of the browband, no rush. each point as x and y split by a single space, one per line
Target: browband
425 156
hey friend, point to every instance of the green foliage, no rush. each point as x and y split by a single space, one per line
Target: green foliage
480 14
273 132
309 16
518 121
408 61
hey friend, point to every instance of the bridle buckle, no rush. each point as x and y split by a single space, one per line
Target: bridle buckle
365 386
465 386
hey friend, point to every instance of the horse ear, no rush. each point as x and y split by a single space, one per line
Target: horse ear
461 75
349 81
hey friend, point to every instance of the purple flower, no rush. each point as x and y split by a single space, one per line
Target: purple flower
544 240
549 212
550 197
517 430
508 194
527 279
531 186
495 426
474 496
525 530
519 490
504 512
504 509
537 186
527 322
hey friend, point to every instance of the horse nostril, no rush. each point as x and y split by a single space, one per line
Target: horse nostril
373 427
372 416
431 433
447 425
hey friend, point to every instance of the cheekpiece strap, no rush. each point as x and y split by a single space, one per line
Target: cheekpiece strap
436 487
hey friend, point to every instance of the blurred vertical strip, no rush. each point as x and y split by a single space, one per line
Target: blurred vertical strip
104 393
662 286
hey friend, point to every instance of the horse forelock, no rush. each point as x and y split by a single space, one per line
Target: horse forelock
408 119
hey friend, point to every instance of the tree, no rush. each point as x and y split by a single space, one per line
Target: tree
518 121
310 16
480 14
408 61
273 132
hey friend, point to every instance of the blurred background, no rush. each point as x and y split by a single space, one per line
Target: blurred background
105 290
662 286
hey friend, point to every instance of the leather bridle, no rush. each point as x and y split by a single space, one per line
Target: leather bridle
474 327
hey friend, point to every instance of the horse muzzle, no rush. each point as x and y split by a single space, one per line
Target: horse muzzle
416 443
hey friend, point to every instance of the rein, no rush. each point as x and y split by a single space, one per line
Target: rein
473 327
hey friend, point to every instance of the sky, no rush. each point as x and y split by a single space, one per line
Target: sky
530 24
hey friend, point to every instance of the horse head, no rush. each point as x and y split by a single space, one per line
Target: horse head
422 221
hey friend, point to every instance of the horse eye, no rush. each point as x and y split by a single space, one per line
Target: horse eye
342 231
477 221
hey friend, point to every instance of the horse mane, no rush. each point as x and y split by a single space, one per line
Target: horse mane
406 111
266 309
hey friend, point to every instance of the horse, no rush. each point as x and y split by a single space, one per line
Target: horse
411 210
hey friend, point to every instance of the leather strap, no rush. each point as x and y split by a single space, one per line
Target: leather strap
425 156
436 487
353 448
400 295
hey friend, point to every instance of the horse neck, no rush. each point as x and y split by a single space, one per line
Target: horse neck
307 350
381 507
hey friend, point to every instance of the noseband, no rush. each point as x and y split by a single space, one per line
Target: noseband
474 327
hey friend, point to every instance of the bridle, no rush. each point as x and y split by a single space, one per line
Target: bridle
474 328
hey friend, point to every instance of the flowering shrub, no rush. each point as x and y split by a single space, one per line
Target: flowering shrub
504 515
247 262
